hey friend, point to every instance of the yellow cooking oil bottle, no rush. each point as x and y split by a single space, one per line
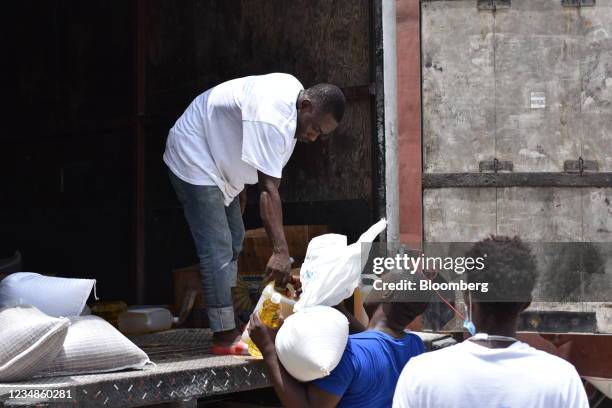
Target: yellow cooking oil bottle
269 315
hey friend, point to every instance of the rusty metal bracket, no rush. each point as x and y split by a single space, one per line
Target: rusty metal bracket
578 3
580 165
495 166
493 4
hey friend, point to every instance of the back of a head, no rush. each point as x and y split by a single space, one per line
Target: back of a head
405 306
403 313
327 98
509 272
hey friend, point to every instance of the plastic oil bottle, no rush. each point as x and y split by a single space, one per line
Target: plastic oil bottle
286 306
269 315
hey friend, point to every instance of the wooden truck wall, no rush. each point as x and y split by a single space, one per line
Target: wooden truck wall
517 122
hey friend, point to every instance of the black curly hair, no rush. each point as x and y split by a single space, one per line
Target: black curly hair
510 270
328 98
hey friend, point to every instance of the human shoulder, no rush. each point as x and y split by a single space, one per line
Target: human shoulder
424 370
551 362
368 338
455 349
448 356
279 87
272 99
284 78
342 375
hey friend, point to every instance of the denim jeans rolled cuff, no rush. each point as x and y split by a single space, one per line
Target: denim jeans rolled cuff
221 318
221 309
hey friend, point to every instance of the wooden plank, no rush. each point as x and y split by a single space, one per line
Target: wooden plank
458 215
456 180
139 153
409 121
338 168
458 86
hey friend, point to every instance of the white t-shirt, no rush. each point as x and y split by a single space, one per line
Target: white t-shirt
470 375
233 130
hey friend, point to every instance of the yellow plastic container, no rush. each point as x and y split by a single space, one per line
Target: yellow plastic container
269 315
286 307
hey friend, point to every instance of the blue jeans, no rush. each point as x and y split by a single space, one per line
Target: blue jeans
217 233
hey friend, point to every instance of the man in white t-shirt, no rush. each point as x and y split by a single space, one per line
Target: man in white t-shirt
493 370
241 132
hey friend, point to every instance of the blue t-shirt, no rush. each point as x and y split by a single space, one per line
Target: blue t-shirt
368 371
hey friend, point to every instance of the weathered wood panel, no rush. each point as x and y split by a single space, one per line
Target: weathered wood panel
194 45
68 67
536 214
65 166
540 214
458 86
544 70
547 69
537 54
597 216
459 215
596 98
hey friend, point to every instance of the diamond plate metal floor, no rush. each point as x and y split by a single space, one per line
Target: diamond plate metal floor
184 371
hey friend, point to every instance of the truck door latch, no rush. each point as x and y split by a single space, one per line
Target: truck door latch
580 165
577 3
493 4
495 166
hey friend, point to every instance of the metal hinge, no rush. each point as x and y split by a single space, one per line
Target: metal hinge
494 166
493 4
580 165
577 3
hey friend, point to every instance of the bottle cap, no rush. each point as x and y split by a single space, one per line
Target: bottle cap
276 298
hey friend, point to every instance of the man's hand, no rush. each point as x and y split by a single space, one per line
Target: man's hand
295 281
262 335
279 269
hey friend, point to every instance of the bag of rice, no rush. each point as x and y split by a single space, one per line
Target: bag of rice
51 295
310 343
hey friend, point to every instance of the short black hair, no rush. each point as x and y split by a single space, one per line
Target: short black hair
404 313
327 98
510 271
405 306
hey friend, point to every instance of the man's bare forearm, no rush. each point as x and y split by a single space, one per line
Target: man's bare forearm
291 392
271 212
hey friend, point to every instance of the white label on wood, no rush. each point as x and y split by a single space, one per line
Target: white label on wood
538 100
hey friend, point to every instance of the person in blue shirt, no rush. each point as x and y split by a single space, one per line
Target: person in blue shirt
368 371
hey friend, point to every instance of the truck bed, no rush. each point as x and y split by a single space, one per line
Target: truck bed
183 373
